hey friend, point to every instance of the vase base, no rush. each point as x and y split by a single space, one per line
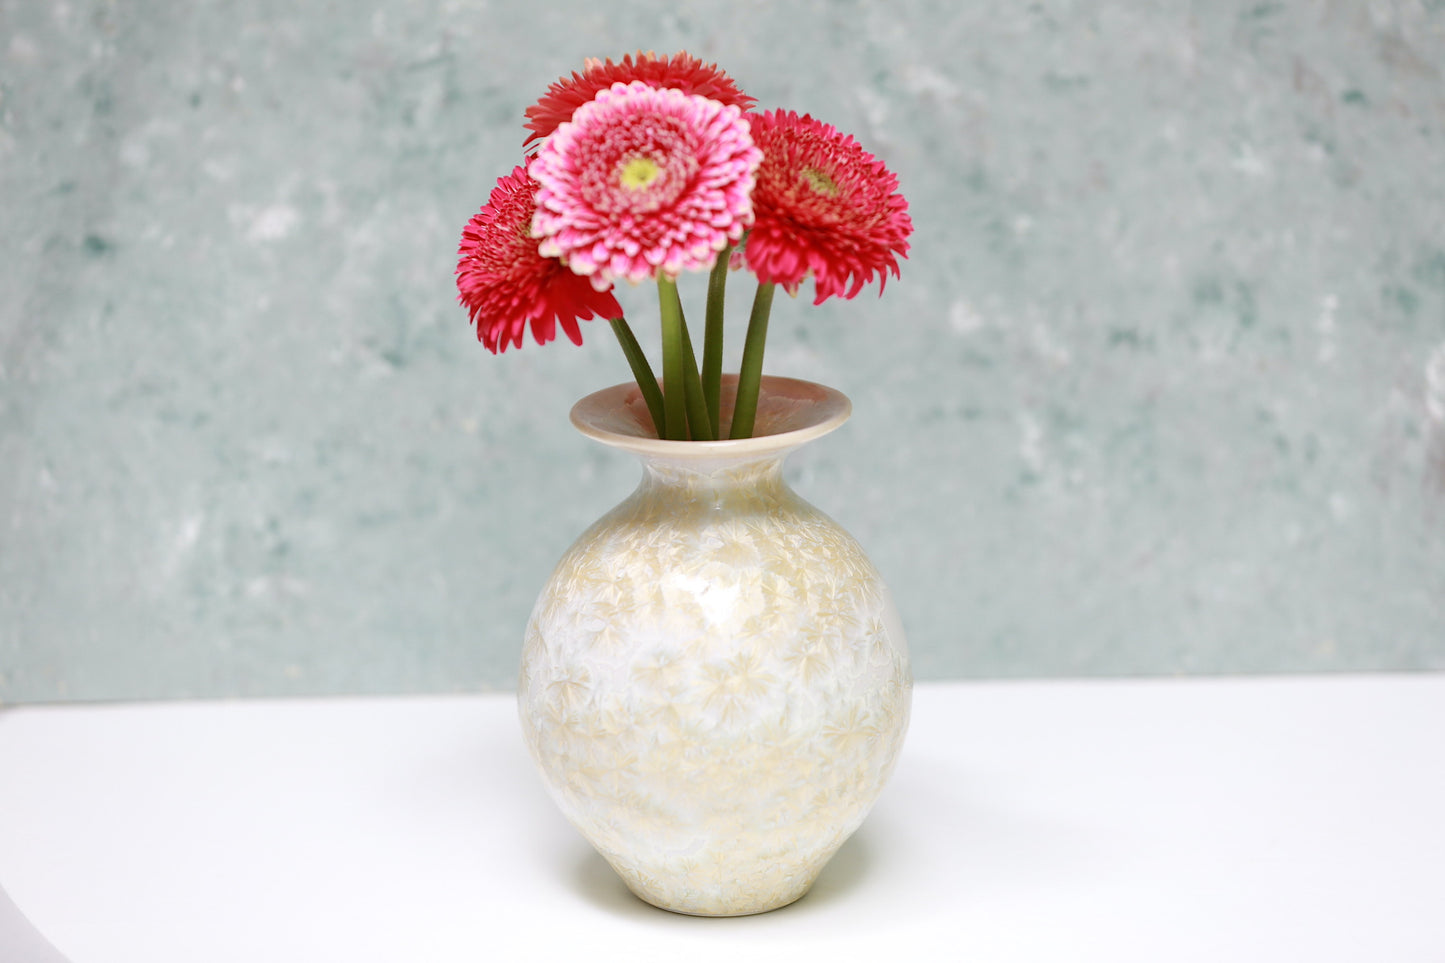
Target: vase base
686 901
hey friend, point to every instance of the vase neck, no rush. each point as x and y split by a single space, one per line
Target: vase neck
714 478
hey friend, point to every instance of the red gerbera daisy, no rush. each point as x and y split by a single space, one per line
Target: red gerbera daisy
681 71
506 284
824 207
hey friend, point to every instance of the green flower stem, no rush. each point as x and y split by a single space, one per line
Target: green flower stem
699 416
712 342
674 361
641 371
750 375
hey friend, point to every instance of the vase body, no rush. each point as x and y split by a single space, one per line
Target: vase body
715 683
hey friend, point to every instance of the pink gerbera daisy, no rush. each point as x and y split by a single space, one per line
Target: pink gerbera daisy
681 71
824 207
506 284
644 181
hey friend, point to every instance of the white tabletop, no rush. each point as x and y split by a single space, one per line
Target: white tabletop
1209 820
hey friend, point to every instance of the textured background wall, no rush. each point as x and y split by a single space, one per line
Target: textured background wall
1162 389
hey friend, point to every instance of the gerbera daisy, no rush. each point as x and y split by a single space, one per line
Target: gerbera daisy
824 208
506 284
644 181
681 71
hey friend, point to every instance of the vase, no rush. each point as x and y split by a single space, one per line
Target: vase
715 683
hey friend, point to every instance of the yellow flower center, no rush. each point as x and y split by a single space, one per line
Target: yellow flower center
820 182
639 173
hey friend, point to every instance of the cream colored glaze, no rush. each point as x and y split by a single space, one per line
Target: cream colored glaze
715 682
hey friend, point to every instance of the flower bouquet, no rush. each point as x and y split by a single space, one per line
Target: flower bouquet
643 169
714 681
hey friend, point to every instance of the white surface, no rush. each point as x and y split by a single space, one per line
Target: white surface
1267 820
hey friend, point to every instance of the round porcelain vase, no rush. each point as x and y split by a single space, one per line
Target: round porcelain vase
715 683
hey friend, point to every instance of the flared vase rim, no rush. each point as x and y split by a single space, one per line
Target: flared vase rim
791 412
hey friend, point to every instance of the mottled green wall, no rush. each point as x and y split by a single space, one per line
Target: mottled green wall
1161 390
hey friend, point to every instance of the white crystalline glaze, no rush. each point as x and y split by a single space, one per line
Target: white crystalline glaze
715 682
